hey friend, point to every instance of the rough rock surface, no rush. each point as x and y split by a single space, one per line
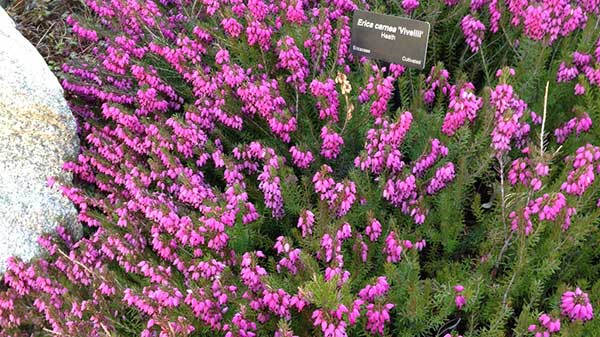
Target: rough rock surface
37 134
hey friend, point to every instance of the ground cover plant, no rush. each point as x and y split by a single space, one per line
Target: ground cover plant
243 174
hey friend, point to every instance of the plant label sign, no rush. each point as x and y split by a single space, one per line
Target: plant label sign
390 38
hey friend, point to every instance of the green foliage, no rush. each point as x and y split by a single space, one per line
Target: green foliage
510 278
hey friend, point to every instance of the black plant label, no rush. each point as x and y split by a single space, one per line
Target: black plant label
390 38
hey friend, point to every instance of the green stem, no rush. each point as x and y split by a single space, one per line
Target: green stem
485 67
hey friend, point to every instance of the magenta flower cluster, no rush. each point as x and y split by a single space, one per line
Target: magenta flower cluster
242 173
437 79
547 326
576 305
510 113
382 156
578 125
459 298
585 167
339 196
463 106
526 172
474 31
583 67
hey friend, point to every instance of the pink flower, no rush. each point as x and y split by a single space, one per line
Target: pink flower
232 27
294 11
547 326
437 79
383 93
332 323
339 196
323 183
345 197
582 176
259 33
420 245
373 230
332 143
379 289
291 59
473 30
508 124
382 148
394 248
301 159
566 73
327 98
344 233
409 5
305 222
442 177
576 305
579 124
459 299
426 161
377 315
464 105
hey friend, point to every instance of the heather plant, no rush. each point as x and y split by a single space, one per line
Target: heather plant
243 174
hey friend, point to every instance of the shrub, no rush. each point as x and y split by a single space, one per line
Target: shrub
243 174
